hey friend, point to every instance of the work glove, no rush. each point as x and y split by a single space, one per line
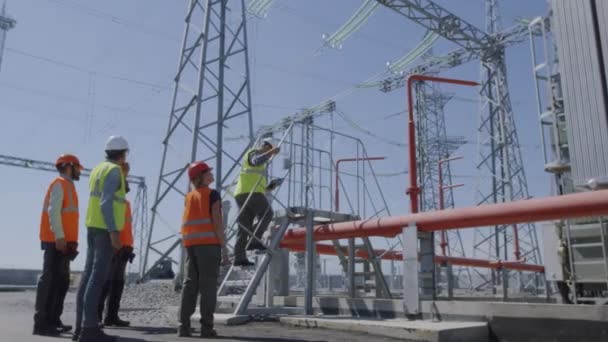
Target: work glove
72 250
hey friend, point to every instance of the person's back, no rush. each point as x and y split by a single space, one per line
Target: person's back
250 196
205 243
105 219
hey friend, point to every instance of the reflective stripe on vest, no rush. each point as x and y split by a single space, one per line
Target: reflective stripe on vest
94 217
69 213
251 178
197 222
199 235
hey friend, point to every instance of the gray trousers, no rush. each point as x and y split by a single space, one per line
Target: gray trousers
202 271
256 208
96 271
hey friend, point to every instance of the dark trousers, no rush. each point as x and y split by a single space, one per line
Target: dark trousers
112 289
96 269
256 208
52 288
202 271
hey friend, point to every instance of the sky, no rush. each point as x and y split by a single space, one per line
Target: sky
76 72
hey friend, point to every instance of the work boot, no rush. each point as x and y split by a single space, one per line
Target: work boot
243 263
76 334
184 331
94 334
208 332
63 328
256 246
115 322
45 330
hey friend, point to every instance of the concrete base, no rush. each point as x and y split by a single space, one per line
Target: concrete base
402 329
508 322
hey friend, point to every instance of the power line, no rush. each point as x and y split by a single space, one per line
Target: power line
114 19
153 86
76 100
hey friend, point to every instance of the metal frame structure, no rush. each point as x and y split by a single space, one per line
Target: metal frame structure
498 143
211 94
140 203
6 23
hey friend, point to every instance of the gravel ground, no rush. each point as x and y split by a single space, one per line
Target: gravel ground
146 303
145 306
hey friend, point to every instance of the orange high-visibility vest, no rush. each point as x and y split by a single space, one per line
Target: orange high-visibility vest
197 227
69 213
126 234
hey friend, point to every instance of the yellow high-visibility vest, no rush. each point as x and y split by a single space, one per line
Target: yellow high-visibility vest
97 180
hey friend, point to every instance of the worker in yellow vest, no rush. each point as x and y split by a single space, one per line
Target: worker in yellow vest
59 241
112 290
105 219
250 196
205 243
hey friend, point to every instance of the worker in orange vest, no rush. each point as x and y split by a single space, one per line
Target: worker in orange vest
205 243
112 290
59 241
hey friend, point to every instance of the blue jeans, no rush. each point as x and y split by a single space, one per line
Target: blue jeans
96 270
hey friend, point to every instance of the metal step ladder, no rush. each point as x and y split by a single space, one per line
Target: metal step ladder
366 278
241 284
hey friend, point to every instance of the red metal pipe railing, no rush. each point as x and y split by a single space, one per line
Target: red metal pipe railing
337 191
413 190
444 239
531 210
325 249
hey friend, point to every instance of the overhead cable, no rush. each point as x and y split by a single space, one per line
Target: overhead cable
353 24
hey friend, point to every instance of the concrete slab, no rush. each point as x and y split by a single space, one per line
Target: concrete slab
402 329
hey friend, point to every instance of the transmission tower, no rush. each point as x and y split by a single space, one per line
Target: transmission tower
501 175
6 23
211 96
433 145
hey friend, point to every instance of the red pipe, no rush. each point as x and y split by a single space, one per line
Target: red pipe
531 210
413 190
337 191
325 249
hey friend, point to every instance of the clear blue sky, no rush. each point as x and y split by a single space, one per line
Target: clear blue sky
116 59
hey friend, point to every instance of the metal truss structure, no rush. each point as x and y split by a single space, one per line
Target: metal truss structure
499 150
6 23
211 95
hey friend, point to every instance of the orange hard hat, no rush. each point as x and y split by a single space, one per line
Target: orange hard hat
197 168
68 159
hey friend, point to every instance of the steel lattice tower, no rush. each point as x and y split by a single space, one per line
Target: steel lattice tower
211 95
433 144
6 23
501 176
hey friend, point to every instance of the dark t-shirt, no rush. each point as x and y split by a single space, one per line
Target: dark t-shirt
214 196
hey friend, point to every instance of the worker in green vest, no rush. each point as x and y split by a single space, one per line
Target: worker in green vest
250 196
105 218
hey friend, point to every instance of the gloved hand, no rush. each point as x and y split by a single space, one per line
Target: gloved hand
131 257
126 254
72 250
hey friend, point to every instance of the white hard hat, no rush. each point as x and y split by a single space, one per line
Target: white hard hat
268 141
116 143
